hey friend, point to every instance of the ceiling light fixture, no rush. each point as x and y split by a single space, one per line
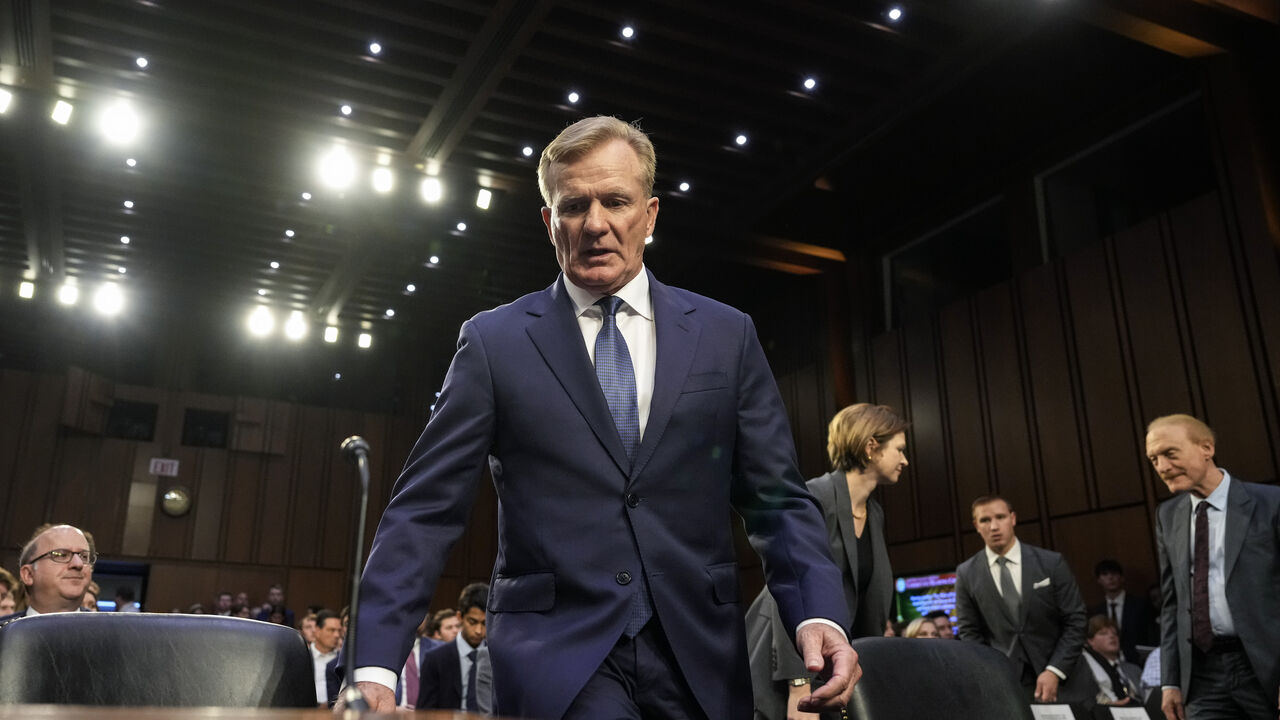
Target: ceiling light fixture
895 13
108 300
141 62
391 312
628 32
262 291
375 48
434 259
573 98
462 227
295 328
483 198
432 189
306 196
119 123
6 99
365 340
337 168
122 270
383 179
131 162
68 294
648 240
288 233
330 334
26 290
275 265
810 83
527 151
261 321
345 109
61 112
410 288
684 187
124 239
741 140
128 204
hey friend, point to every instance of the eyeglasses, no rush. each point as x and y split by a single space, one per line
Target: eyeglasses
62 556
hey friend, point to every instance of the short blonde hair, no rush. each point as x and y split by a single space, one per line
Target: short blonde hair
913 628
588 134
853 427
1197 431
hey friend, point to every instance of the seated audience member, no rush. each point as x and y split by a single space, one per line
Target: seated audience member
307 628
444 626
448 678
921 628
1151 673
1116 682
942 621
324 649
125 601
275 600
407 687
242 599
890 628
222 604
195 609
55 566
1131 613
276 615
8 602
90 601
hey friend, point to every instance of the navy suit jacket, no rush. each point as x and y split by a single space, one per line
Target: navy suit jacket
1252 570
440 679
577 522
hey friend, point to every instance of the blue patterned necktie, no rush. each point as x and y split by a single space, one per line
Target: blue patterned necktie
617 378
618 381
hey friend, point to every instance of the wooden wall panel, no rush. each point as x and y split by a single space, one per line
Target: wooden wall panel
927 473
1053 389
312 459
935 555
277 490
1111 453
33 487
1233 405
1122 534
965 418
240 533
341 494
109 497
327 588
899 506
178 585
206 531
1006 400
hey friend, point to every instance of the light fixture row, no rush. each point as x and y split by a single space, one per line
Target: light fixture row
108 298
261 322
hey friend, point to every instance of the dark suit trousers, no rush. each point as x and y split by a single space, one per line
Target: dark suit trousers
638 680
1224 687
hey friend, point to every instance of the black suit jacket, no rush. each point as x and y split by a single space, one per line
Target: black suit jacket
440 679
1135 624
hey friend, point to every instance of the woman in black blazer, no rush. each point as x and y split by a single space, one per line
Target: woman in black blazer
867 447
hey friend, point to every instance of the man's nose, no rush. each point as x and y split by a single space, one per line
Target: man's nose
594 222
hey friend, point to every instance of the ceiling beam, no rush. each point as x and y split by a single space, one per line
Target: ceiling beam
1186 28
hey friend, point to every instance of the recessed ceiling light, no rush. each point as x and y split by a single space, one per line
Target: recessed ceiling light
527 151
295 328
684 187
810 83
61 112
141 62
345 109
574 97
288 233
628 32
262 291
124 239
306 196
121 270
119 123
261 321
108 300
462 227
895 13
128 204
432 189
26 290
434 259
337 376
365 340
483 198
275 265
740 140
391 312
131 162
410 288
337 168
331 334
6 98
375 48
383 179
68 294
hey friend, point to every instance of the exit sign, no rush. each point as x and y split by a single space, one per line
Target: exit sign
165 467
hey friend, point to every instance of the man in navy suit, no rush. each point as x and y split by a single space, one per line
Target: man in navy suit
448 674
621 420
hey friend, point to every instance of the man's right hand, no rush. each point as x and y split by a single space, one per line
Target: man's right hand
1171 704
381 698
793 704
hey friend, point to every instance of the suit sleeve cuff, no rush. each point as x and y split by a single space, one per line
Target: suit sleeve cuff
380 675
823 621
1061 675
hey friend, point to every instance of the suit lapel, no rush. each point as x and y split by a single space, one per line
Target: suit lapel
1032 570
1238 516
1179 546
558 338
677 336
987 586
848 534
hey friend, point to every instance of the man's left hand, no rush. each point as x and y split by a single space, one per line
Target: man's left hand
1047 687
827 653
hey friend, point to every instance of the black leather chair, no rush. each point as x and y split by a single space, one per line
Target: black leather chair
141 659
905 679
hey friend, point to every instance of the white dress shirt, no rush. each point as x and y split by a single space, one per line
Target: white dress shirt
319 660
1219 612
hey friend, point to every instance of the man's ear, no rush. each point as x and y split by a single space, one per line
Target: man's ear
27 575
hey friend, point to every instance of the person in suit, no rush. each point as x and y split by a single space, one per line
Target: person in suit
407 688
1218 541
56 567
1021 600
621 419
1110 679
866 445
448 674
1131 613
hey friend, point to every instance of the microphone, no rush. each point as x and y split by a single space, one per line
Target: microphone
356 449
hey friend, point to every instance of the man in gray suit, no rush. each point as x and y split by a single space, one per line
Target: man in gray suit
1219 545
1021 600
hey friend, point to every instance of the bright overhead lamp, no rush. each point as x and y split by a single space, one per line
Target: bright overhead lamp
261 321
483 198
810 83
462 227
61 112
26 290
434 260
574 98
306 196
295 328
895 13
365 340
131 162
741 140
122 270
337 168
375 48
275 265
119 123
262 292
410 288
141 62
527 151
68 294
391 312
6 99
628 32
345 109
330 334
383 179
124 239
128 204
684 187
108 300
432 189
288 233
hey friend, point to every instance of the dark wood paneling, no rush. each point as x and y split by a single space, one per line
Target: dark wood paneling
240 533
899 506
923 556
1010 441
1122 534
33 486
965 418
927 475
1052 387
312 459
277 490
1108 421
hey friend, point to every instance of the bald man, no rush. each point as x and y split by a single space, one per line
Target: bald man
56 567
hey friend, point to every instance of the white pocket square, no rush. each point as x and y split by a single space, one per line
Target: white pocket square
1042 583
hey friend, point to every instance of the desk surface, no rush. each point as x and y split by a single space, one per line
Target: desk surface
84 712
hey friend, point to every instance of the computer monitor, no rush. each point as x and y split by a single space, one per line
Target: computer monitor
918 595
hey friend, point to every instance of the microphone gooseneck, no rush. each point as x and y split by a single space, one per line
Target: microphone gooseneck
356 449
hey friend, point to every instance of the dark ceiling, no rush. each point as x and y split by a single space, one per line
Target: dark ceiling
239 99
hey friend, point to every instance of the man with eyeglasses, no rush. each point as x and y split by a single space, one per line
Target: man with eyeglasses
56 566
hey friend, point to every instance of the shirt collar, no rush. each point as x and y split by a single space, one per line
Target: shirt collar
635 294
1218 498
1014 554
463 646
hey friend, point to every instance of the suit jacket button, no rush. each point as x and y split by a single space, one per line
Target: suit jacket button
623 577
632 500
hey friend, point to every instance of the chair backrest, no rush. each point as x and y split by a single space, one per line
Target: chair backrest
145 659
904 679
